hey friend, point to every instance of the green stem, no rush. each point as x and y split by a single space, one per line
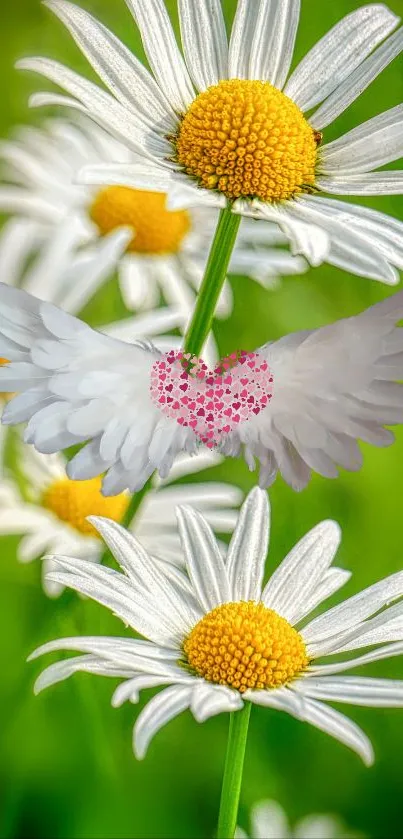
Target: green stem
231 785
213 281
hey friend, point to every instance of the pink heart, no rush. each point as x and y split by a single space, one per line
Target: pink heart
249 388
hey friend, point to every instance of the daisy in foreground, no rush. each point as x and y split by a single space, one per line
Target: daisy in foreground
228 126
308 399
216 640
156 251
52 515
269 821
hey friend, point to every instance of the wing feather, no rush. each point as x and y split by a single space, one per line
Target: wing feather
76 384
332 387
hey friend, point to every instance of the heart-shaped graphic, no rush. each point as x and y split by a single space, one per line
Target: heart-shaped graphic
212 403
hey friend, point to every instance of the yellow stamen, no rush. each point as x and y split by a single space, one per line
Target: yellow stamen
245 645
73 501
157 230
247 139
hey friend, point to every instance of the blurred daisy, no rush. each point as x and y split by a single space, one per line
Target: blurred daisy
84 233
269 821
52 515
327 388
228 126
217 638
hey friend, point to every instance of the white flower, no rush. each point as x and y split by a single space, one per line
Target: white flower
227 125
330 387
52 518
269 821
218 638
83 233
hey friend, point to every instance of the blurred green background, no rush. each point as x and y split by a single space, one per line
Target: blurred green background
66 764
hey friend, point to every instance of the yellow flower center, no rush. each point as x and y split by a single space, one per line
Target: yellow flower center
73 501
245 645
156 229
247 139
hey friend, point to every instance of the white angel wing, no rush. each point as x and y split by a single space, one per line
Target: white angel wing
76 384
332 386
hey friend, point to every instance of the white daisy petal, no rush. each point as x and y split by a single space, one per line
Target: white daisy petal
87 274
62 670
247 550
309 240
18 237
109 588
132 175
350 243
203 559
14 199
269 821
208 700
273 43
160 710
144 572
355 609
338 53
371 183
356 690
121 71
131 689
301 571
366 147
109 648
332 581
387 626
204 41
126 125
388 651
243 30
317 714
357 81
162 51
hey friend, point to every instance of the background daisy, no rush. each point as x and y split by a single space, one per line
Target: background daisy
269 821
38 502
83 233
228 123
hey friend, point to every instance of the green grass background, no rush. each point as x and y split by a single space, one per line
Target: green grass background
66 764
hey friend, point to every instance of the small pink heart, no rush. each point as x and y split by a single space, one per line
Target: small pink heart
249 389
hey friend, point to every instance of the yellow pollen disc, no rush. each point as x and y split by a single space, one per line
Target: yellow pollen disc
73 501
157 230
245 645
247 139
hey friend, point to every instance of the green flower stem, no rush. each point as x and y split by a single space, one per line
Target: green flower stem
233 770
213 281
200 325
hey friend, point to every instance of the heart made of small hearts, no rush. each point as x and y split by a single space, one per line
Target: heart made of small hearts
212 403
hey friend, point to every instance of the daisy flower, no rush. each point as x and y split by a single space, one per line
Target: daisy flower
319 392
216 638
228 126
94 231
269 821
52 515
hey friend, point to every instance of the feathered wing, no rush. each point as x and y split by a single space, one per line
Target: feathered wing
332 387
75 385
